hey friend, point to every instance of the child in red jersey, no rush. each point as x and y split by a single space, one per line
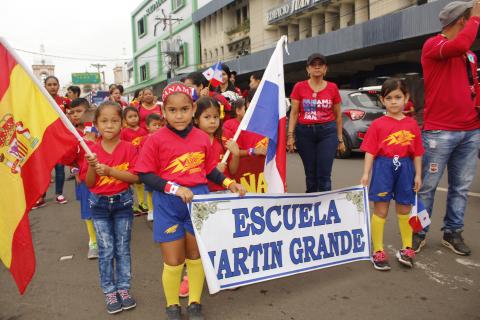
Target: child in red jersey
154 122
162 166
207 119
108 176
393 146
82 117
253 148
133 133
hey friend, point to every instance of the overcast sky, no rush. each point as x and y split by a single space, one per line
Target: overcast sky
91 30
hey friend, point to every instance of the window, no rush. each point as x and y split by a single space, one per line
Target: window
244 13
239 17
144 72
181 58
142 27
177 5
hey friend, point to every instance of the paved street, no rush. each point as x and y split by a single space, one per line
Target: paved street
441 286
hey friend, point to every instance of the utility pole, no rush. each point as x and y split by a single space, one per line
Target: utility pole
99 66
172 55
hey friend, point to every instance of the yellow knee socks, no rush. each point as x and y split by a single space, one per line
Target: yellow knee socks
149 201
171 283
139 190
196 278
91 232
405 230
378 225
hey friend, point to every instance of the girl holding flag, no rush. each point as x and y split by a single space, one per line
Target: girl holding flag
175 182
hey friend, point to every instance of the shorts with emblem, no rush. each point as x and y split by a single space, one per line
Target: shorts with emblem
171 217
392 178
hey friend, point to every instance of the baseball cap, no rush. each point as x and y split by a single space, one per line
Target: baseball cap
315 56
453 11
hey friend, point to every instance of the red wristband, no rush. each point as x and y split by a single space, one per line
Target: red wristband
171 188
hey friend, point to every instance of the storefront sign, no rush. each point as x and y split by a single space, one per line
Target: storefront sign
289 8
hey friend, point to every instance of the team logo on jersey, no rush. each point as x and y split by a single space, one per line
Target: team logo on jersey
262 143
402 137
172 229
190 162
382 194
106 180
136 142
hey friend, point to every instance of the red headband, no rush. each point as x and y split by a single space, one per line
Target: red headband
176 87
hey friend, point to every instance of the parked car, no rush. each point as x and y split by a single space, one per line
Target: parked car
359 108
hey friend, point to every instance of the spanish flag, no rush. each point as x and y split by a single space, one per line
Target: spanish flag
32 140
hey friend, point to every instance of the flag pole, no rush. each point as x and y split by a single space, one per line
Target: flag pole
59 111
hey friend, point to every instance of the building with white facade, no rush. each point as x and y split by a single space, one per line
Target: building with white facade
165 43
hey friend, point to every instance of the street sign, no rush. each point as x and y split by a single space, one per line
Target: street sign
86 78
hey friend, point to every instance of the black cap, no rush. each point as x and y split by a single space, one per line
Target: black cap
315 56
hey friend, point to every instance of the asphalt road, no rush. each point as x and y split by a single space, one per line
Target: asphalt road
441 286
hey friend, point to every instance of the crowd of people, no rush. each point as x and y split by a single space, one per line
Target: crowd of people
170 149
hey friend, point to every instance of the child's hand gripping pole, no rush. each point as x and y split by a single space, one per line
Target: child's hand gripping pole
235 138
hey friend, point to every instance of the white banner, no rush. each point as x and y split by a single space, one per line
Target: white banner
265 236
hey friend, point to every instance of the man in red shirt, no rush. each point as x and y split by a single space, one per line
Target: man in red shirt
451 134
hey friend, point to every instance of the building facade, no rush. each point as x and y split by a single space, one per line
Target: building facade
165 43
364 40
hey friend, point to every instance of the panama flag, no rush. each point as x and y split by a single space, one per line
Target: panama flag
419 218
214 74
33 138
266 116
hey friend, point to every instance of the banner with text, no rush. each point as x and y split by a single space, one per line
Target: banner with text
263 237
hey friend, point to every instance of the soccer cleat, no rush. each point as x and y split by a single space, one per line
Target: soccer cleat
142 207
112 303
174 312
127 301
380 261
194 312
405 257
418 242
454 241
40 203
183 292
61 199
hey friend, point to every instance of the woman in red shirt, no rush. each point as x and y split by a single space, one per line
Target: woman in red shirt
148 106
315 124
52 85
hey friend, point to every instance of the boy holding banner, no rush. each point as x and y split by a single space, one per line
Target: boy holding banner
393 146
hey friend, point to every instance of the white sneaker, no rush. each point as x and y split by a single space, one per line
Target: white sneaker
92 251
150 216
61 199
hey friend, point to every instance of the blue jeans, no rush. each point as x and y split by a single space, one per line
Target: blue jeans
317 145
456 150
59 179
112 218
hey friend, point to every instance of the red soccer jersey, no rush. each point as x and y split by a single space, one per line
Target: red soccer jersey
315 107
133 136
186 161
448 95
123 158
145 112
389 137
246 139
218 151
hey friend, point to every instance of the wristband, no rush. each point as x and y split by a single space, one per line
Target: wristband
171 188
74 170
227 183
251 152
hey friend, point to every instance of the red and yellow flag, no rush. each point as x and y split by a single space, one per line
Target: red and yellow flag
32 140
